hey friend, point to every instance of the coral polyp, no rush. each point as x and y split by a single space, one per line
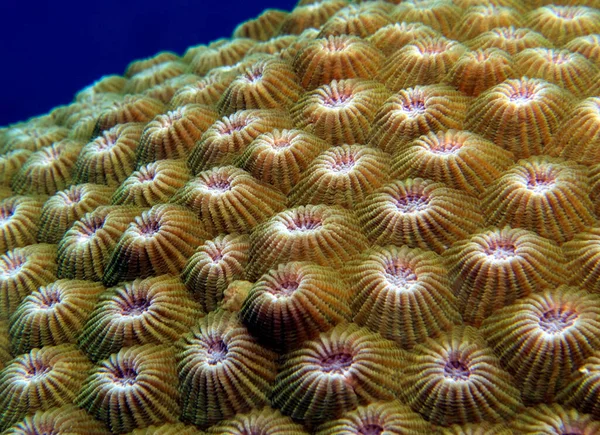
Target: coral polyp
342 176
154 310
503 114
418 213
336 58
334 373
402 293
331 232
158 241
416 111
293 303
53 314
40 380
358 217
457 379
222 370
493 268
135 387
542 194
531 333
461 159
391 418
229 200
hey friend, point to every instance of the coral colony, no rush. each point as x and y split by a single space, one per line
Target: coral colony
353 218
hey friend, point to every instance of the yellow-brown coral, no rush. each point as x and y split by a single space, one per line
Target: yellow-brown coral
150 311
216 264
492 268
158 241
402 293
342 176
53 314
542 194
293 303
413 112
229 200
458 379
222 370
135 387
339 370
418 213
331 232
39 380
533 332
460 159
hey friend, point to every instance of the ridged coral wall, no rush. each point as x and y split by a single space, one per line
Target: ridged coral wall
352 218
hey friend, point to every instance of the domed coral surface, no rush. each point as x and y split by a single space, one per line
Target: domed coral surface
359 217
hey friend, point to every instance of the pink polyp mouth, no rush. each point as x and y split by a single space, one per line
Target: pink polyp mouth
336 363
557 320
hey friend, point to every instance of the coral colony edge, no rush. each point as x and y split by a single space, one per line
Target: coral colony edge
369 218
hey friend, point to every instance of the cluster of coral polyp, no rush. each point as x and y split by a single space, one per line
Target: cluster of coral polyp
353 218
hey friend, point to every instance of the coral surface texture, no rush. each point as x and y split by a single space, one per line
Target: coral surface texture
355 218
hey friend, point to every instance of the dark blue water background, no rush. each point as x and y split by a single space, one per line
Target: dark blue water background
52 49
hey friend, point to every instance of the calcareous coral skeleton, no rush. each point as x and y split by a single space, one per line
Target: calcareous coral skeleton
358 217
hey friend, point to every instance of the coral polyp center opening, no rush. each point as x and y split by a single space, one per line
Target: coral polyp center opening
337 100
343 164
370 429
36 370
336 363
149 228
304 223
6 213
254 75
124 376
11 266
567 13
541 181
146 175
107 142
499 249
50 299
227 128
400 275
412 203
219 184
136 306
216 351
285 287
72 197
523 94
557 320
414 107
456 370
446 147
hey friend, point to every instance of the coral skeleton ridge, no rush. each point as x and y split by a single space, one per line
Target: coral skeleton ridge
357 217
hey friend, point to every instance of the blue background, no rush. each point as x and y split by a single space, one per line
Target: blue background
52 49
